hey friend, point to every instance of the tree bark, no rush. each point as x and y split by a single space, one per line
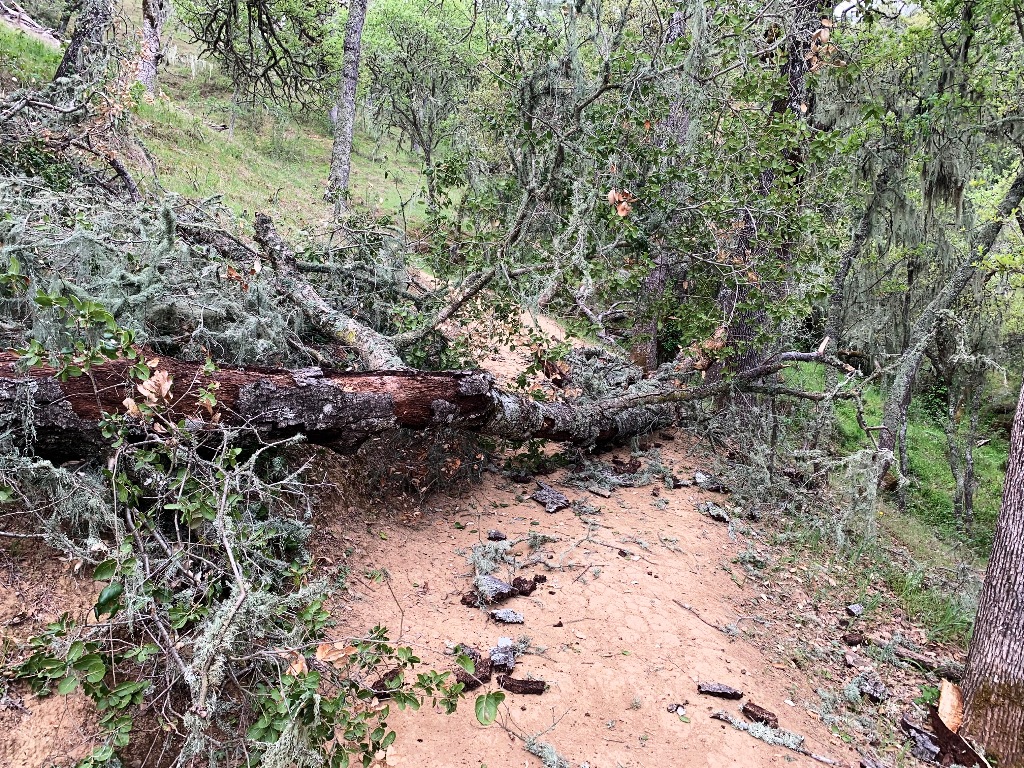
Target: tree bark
994 681
341 153
61 420
154 14
90 27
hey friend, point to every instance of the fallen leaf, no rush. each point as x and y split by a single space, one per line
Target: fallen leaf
334 654
951 705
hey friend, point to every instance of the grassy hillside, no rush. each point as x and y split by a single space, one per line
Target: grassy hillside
266 161
932 487
23 59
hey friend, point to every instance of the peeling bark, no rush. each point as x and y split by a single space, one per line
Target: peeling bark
61 420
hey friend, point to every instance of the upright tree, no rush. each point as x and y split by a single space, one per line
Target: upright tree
90 27
994 683
341 154
154 14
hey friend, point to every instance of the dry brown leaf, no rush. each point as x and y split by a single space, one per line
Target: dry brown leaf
157 388
623 209
133 408
297 666
335 654
153 363
951 705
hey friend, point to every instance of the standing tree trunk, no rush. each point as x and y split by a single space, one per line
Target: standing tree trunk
90 27
994 681
154 14
341 154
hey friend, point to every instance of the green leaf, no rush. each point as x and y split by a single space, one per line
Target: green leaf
466 663
109 599
105 570
67 685
487 707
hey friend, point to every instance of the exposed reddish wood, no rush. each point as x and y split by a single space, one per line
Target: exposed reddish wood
333 408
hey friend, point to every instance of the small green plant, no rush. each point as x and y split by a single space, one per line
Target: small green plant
929 696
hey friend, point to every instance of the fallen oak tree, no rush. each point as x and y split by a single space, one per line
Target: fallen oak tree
336 409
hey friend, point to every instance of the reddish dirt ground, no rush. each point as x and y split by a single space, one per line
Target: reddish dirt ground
626 648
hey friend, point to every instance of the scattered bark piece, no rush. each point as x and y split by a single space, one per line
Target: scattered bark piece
469 599
522 478
621 467
559 624
924 745
871 685
953 748
540 578
710 483
512 685
503 655
597 490
870 762
507 616
720 690
854 638
674 483
853 660
759 714
496 536
481 675
855 609
493 590
552 499
524 586
715 512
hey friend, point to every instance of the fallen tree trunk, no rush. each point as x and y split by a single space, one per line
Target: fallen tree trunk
61 420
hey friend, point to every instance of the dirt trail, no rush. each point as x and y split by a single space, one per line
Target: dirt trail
37 586
620 648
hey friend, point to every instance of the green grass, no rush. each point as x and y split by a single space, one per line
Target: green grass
930 498
23 59
271 162
935 544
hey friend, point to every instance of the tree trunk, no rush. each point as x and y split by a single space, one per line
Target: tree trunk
154 14
341 154
994 680
90 27
61 420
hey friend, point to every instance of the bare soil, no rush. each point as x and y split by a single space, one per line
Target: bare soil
629 622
